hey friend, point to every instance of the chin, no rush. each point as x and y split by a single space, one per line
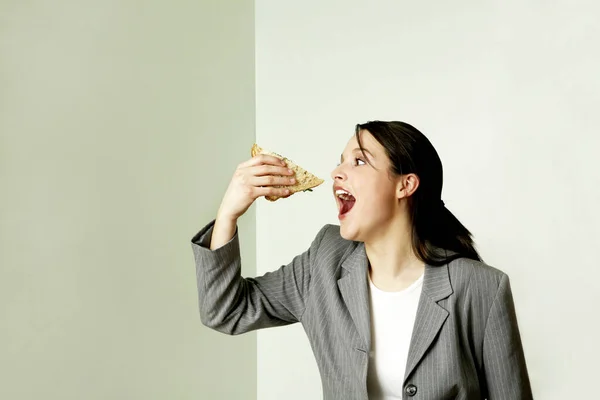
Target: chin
349 233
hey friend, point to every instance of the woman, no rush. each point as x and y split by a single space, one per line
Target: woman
395 301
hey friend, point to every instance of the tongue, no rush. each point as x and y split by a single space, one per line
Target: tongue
347 206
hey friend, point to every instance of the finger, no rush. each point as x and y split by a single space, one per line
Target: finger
261 159
262 170
271 180
271 191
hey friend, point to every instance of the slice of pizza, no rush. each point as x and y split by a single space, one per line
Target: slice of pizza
305 181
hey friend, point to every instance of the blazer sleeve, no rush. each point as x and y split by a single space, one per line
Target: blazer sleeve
232 304
503 357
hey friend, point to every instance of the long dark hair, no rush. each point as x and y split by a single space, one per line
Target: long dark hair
438 237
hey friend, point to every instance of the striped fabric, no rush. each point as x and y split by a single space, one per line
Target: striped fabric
465 342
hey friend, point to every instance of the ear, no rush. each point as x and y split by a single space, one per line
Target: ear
407 185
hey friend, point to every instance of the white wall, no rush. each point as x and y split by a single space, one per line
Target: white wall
508 93
121 123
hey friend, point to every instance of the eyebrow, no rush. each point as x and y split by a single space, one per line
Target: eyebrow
353 150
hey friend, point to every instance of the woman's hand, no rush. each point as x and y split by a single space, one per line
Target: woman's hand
251 180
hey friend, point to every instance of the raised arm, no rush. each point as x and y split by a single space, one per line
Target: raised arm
232 304
229 303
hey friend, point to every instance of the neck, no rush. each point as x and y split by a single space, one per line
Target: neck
390 253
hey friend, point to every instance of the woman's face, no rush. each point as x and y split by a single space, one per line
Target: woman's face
372 202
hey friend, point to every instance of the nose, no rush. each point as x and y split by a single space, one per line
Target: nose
338 173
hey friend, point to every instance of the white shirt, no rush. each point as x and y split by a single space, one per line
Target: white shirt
392 320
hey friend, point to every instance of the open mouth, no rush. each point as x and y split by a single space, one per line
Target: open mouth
345 200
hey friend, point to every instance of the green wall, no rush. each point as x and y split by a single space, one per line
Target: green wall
121 123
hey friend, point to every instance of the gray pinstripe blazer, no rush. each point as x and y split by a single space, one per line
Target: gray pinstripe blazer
465 343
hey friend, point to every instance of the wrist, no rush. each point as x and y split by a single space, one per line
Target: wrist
226 218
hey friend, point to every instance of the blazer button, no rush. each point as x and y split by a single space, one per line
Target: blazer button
411 390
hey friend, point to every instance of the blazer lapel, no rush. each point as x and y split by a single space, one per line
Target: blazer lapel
353 285
430 315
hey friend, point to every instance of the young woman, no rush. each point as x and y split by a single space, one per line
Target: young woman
395 301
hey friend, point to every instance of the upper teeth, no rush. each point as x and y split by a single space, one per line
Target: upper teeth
343 194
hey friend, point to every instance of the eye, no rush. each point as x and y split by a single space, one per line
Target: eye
358 160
